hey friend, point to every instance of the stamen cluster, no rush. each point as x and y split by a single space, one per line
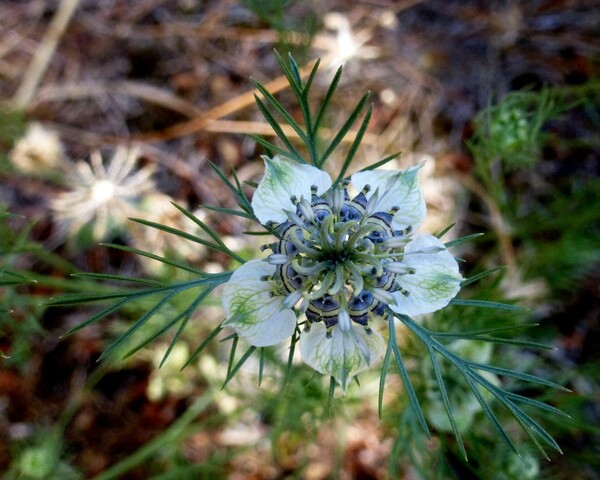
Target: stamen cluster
338 259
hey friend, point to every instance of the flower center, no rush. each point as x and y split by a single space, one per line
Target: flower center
339 258
102 191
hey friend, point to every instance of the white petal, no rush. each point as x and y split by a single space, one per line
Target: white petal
284 178
252 311
343 355
396 188
435 282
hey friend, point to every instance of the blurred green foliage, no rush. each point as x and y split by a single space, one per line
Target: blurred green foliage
296 23
18 313
12 127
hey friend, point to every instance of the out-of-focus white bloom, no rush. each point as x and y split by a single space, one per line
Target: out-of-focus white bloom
39 151
103 197
345 45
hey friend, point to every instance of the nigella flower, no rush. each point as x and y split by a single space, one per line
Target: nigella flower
341 262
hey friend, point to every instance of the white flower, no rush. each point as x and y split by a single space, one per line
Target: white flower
342 261
345 44
38 151
103 197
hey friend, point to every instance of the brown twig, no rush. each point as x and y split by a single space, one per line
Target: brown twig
143 91
218 112
44 53
497 223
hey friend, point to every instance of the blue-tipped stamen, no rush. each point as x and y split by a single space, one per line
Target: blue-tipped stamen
338 258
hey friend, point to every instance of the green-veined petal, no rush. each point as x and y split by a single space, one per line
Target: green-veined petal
252 310
284 178
343 355
396 188
435 282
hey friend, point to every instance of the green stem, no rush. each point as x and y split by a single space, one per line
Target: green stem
167 439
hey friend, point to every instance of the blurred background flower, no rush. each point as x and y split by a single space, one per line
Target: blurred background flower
39 151
102 197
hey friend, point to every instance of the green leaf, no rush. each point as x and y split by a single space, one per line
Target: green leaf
526 377
295 71
487 410
187 314
446 401
482 335
526 422
354 147
281 110
119 278
224 178
80 298
344 130
210 232
290 360
330 396
166 261
381 163
466 238
484 331
13 283
326 100
294 80
384 370
98 316
154 336
203 345
479 276
229 211
245 203
238 365
295 155
180 233
310 80
485 304
229 337
138 324
514 343
468 370
312 138
537 404
261 365
271 147
414 401
531 435
445 231
17 277
234 343
242 201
